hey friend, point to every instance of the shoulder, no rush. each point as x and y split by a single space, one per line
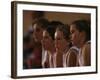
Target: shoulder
86 53
87 46
74 49
86 50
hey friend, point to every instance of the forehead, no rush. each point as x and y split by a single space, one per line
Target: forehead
73 27
35 26
58 33
45 33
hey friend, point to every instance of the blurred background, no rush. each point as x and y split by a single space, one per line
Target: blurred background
65 17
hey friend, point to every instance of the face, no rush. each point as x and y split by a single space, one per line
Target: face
47 40
75 35
60 42
38 31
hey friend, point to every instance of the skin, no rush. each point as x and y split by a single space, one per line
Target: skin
48 45
77 37
47 40
60 42
38 31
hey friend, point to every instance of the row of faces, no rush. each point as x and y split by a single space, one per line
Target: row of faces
59 40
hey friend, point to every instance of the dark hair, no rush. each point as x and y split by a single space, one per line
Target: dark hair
66 31
55 23
38 14
52 28
83 25
42 22
26 38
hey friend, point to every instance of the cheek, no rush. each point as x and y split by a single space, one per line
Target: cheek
76 38
40 36
72 37
37 35
58 44
47 42
44 44
40 33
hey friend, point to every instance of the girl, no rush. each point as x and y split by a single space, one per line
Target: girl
62 45
80 37
48 44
